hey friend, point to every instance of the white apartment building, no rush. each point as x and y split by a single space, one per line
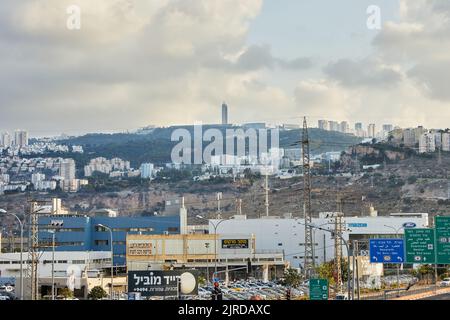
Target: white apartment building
371 131
427 142
5 140
446 141
20 138
147 170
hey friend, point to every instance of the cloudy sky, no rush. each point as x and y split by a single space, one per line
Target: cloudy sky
140 62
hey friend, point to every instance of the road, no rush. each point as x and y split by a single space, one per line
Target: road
439 297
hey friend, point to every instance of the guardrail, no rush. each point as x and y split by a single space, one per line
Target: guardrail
392 294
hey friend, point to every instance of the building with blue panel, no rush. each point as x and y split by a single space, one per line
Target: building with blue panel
84 233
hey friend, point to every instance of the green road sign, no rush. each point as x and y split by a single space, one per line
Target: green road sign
419 245
318 289
442 225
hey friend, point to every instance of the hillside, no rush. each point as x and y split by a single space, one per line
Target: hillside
156 147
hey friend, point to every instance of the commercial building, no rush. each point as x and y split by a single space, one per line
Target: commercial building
80 271
287 234
84 233
204 252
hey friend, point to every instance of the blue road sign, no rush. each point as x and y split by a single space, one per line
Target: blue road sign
387 250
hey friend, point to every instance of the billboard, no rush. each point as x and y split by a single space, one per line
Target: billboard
234 243
163 283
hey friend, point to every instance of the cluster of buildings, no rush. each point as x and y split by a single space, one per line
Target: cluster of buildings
358 129
421 139
41 174
115 167
271 243
19 139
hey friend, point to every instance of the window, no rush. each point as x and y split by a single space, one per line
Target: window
101 242
119 242
280 244
78 261
172 229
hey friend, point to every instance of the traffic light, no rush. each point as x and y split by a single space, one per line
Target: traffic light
216 292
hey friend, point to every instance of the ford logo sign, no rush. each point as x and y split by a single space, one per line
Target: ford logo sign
408 225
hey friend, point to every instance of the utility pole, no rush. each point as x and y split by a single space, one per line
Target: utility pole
309 257
33 248
338 250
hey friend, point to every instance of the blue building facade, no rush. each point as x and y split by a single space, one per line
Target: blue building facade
83 233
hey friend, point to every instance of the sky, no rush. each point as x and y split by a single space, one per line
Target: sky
134 63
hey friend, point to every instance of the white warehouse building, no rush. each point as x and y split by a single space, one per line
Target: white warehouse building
288 234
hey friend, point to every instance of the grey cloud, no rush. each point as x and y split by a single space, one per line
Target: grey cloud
433 79
258 57
362 73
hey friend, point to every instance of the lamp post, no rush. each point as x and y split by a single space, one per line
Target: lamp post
349 253
21 249
215 226
112 258
207 261
397 230
53 233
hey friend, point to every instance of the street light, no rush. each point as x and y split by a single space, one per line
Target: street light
53 233
350 293
397 230
21 249
215 226
112 257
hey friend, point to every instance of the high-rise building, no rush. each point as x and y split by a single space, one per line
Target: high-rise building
324 125
334 126
67 172
445 141
371 130
344 127
224 114
146 170
5 140
388 127
427 142
409 137
358 126
20 138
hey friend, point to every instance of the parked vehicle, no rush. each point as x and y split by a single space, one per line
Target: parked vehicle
445 282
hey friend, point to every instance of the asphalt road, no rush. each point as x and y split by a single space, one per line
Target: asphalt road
439 297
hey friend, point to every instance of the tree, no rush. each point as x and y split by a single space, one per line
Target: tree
66 293
97 293
292 278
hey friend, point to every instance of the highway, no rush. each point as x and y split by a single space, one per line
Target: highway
439 297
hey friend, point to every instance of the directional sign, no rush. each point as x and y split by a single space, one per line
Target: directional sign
387 250
318 289
442 239
420 246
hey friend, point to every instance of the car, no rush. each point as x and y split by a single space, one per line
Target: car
341 296
445 282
